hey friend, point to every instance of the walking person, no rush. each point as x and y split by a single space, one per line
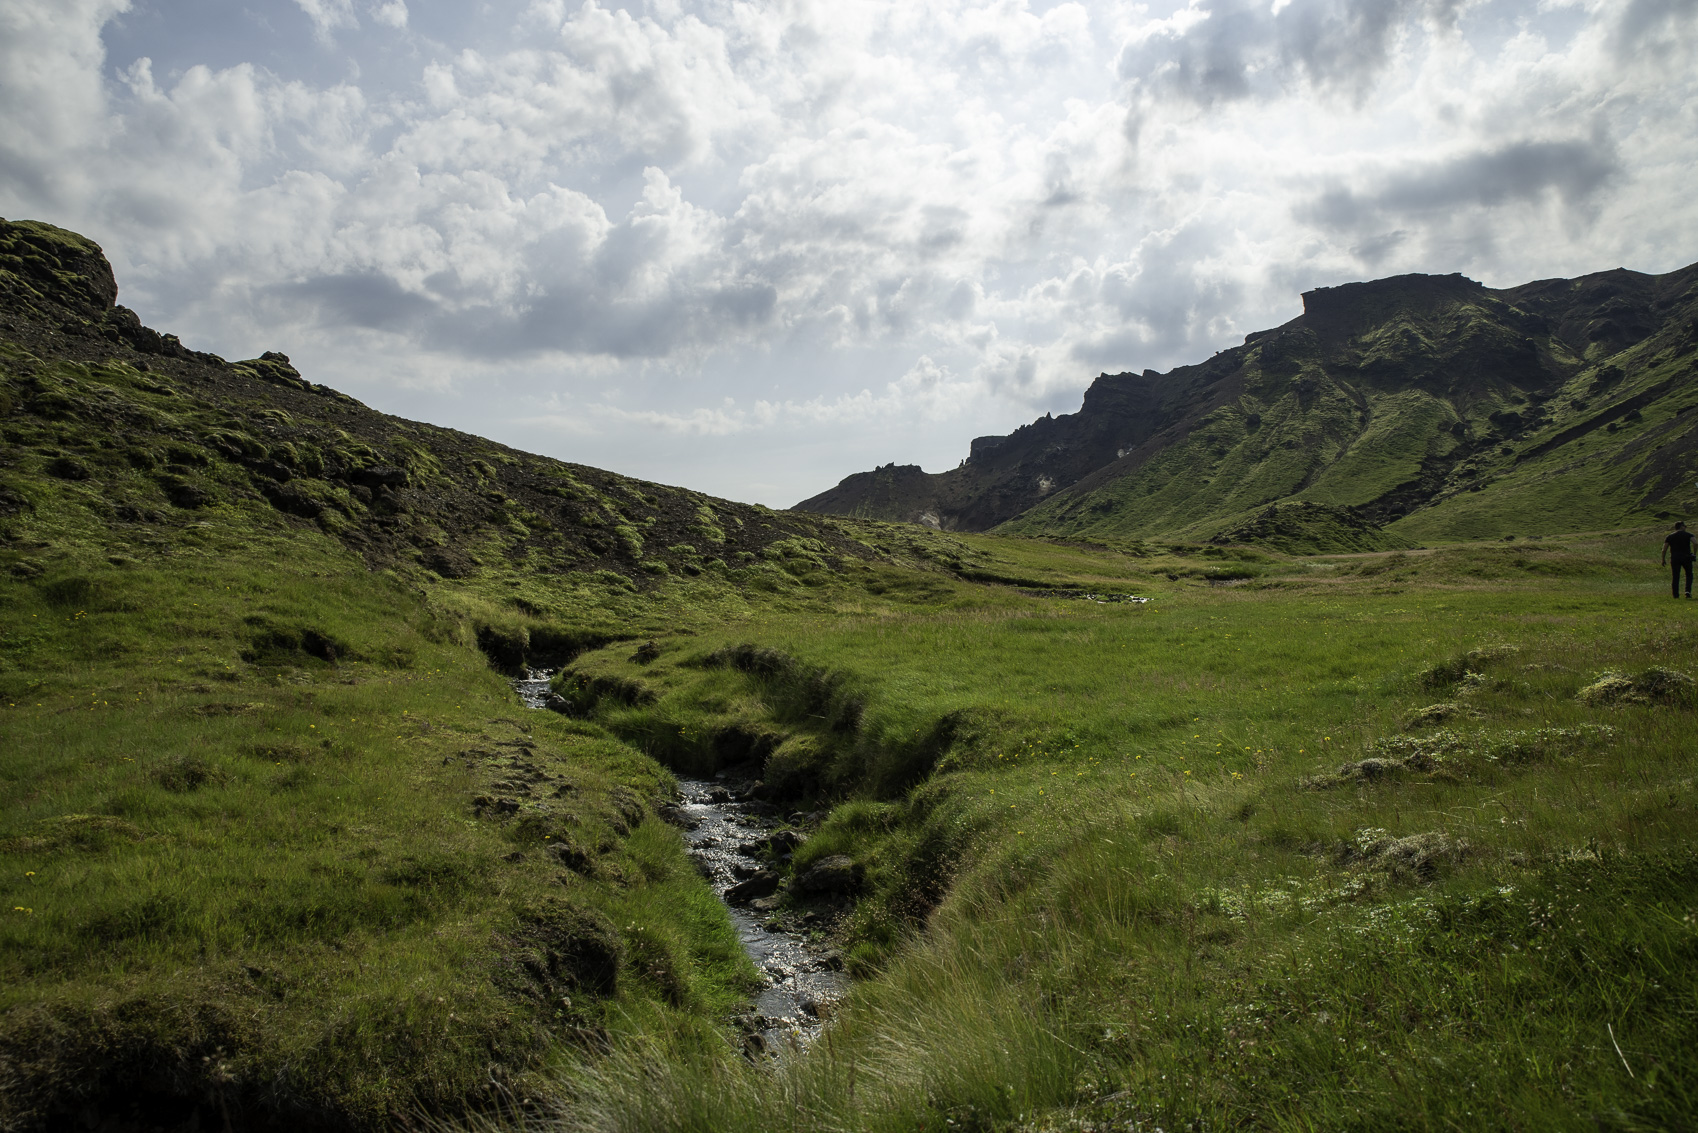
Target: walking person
1680 543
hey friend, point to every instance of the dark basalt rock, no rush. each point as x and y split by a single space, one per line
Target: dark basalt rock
835 874
762 884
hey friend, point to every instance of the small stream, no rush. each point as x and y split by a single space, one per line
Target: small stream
533 687
728 835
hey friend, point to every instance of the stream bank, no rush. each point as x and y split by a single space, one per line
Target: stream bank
734 841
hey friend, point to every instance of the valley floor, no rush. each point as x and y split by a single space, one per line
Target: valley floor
1369 841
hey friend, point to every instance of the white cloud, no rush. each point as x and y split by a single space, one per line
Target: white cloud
864 219
329 16
390 13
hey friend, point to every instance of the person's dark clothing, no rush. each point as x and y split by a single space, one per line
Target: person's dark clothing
1680 546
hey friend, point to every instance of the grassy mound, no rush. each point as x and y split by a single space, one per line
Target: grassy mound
1304 528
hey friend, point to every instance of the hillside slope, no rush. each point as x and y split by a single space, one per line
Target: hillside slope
151 436
1429 405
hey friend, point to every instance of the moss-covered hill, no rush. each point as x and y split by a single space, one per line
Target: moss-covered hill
1433 407
109 417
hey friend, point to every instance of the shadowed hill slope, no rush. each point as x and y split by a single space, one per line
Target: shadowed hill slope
1430 404
147 433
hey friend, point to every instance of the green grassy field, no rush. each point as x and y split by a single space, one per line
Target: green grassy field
1337 841
1343 845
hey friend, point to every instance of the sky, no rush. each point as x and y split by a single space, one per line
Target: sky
752 248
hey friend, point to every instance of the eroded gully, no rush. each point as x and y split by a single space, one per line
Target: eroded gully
728 837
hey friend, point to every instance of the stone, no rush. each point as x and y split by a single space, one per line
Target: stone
835 874
673 815
762 884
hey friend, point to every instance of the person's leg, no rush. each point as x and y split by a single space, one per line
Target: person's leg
1688 565
1674 582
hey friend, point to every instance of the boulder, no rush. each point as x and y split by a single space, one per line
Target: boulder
838 873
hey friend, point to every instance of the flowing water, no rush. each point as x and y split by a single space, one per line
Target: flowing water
802 977
533 687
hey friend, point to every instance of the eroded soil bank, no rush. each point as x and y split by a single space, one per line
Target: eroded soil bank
734 841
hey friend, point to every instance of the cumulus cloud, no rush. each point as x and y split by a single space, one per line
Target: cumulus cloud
390 13
700 223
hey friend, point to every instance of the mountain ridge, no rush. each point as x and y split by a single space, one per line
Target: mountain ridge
1388 397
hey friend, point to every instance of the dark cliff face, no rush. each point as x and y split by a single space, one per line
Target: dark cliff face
1386 398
